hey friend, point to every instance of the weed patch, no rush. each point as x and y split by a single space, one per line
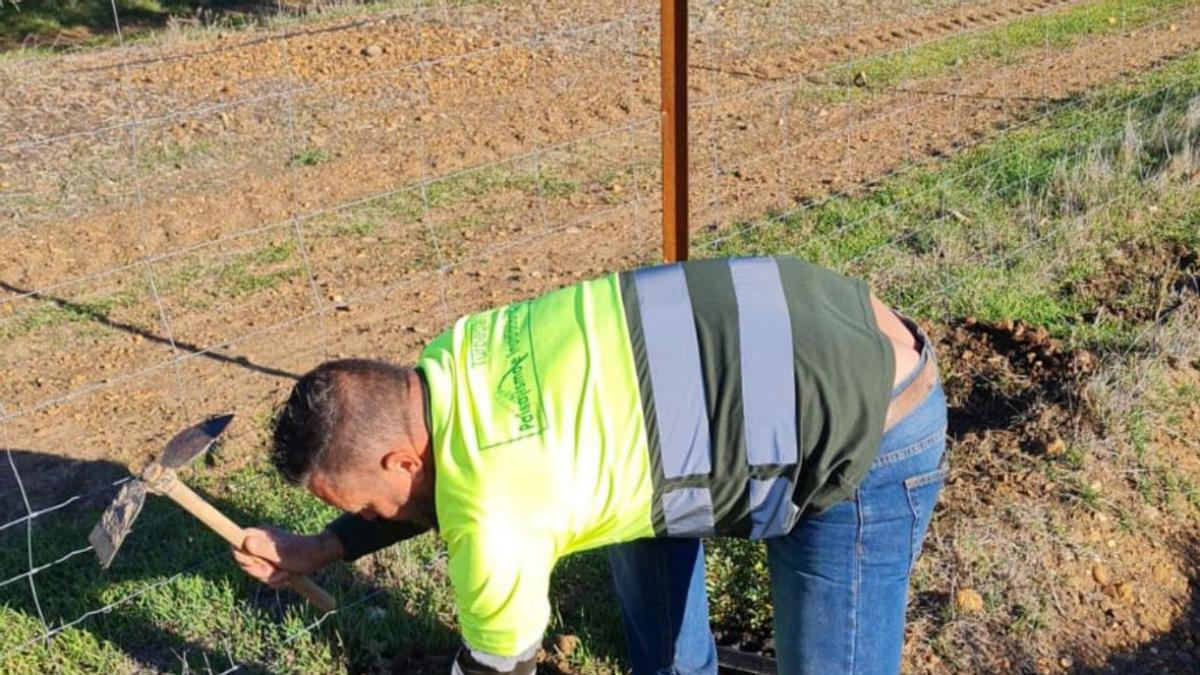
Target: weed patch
1057 30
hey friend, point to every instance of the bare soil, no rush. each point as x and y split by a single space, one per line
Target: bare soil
1018 401
214 212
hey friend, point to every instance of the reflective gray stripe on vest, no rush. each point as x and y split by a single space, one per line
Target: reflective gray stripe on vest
772 512
768 382
688 512
674 357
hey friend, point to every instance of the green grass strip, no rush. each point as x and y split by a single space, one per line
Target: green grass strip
1057 30
22 20
1070 189
212 615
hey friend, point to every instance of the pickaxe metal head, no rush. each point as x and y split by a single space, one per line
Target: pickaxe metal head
108 535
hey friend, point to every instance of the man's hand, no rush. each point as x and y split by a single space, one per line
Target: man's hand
272 555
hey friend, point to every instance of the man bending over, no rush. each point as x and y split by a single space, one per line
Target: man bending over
763 398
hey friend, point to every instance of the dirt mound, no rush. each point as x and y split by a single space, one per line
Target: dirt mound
1066 526
1011 377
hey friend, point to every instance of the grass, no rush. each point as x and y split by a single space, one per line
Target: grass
309 157
457 190
401 225
39 28
357 229
211 615
174 154
1056 30
199 285
51 313
1057 198
469 185
21 19
245 273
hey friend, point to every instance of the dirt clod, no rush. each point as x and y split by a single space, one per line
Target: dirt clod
1054 447
566 645
968 601
1100 574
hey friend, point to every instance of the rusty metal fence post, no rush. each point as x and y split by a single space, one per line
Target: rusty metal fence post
673 35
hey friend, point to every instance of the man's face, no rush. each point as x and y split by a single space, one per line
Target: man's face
375 491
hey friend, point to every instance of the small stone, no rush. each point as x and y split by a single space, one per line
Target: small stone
968 601
372 50
1055 447
1125 591
1174 28
1066 662
566 644
1100 574
1083 361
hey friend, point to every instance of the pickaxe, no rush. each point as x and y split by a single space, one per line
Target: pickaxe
159 478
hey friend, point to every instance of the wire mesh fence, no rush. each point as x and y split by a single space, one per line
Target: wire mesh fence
190 219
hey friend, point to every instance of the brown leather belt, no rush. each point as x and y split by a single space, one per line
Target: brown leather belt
912 395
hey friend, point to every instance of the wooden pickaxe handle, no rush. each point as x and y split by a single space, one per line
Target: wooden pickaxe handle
229 530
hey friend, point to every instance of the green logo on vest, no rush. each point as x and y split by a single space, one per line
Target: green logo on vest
501 350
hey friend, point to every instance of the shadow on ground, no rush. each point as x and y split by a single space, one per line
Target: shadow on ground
164 542
101 318
65 23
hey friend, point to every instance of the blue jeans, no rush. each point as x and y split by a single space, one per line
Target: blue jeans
839 579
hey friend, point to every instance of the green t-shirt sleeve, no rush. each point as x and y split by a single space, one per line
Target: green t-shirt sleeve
501 579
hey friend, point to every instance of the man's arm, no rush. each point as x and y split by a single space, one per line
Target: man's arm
501 579
360 537
272 555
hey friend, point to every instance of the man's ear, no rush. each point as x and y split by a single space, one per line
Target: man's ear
400 459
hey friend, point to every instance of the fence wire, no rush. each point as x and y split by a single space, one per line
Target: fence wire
190 220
